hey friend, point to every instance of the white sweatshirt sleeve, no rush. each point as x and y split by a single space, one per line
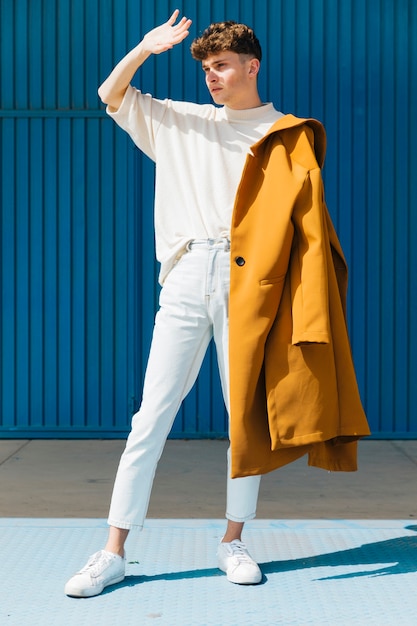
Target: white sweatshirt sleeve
140 116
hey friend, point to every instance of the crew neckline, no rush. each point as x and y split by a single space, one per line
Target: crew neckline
240 115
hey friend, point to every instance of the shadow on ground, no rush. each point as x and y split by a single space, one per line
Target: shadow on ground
397 556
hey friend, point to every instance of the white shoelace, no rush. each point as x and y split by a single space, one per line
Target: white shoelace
239 551
96 563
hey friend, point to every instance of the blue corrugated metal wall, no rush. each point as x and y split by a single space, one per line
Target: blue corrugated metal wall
78 281
67 227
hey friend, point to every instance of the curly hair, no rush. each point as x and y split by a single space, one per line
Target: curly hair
222 36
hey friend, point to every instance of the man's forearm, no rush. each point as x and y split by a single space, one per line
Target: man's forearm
113 89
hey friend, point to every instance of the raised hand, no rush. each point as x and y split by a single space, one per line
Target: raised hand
156 41
167 35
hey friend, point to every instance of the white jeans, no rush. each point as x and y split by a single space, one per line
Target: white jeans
193 310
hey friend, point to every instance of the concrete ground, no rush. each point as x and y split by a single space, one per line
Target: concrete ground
73 479
333 548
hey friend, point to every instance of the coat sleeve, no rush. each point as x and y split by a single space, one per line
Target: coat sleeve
308 265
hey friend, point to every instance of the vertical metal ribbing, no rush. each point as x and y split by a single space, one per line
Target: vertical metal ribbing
78 278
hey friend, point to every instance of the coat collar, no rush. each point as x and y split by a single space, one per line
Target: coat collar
289 121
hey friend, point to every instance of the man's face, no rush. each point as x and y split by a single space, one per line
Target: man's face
231 79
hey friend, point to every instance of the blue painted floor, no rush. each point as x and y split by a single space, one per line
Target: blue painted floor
336 572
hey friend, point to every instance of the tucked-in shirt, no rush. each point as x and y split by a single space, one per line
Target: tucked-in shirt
199 151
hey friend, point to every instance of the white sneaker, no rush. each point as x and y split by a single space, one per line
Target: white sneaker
235 560
103 568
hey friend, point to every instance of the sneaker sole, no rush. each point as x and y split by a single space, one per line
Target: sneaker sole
246 582
239 582
91 592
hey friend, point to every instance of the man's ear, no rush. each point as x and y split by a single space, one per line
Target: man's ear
254 66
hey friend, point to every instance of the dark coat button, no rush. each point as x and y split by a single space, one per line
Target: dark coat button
239 260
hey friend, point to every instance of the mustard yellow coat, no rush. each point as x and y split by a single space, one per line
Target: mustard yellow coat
293 387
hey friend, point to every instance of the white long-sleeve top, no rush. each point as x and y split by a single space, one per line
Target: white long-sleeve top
199 152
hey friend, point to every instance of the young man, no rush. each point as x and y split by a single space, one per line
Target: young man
199 151
242 236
